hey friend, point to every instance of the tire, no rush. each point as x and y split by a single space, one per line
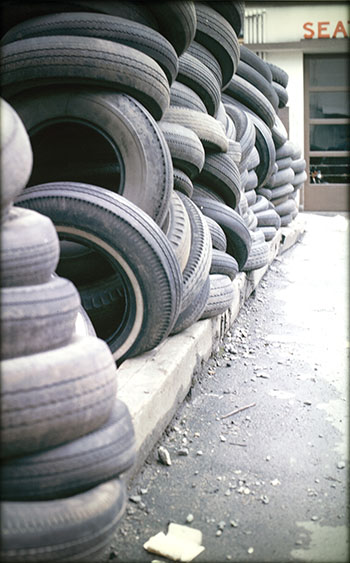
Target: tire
82 265
194 74
258 257
208 129
231 129
269 232
218 236
193 312
280 191
285 162
252 59
281 93
256 79
246 134
287 149
266 149
203 54
176 21
16 156
285 176
279 133
112 28
186 149
221 174
39 413
251 197
286 219
261 204
184 97
134 245
279 75
268 218
223 263
244 92
73 467
198 264
134 141
234 152
29 248
299 178
182 183
252 181
243 205
41 61
35 318
205 191
216 34
254 159
221 295
251 220
78 528
233 12
298 165
285 208
237 234
178 230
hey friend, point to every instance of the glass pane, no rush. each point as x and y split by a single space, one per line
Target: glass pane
329 71
329 104
329 170
329 138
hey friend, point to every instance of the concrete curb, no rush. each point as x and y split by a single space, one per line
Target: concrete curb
156 382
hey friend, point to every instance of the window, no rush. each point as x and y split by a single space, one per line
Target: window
328 112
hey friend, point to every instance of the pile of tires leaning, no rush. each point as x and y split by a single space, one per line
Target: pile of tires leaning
159 155
66 438
155 139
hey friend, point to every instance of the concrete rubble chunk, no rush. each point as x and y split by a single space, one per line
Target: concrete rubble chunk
181 543
164 456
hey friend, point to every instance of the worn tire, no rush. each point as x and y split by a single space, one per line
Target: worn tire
218 236
135 246
35 318
221 175
184 97
182 183
197 76
178 230
237 234
40 61
186 149
221 295
77 528
216 34
16 156
208 129
223 263
55 396
112 28
134 138
75 466
29 248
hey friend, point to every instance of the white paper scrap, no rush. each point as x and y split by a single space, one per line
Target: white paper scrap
181 543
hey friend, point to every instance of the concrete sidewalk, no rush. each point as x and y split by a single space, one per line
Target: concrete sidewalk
270 482
155 383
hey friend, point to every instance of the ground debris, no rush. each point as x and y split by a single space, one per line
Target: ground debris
164 456
181 543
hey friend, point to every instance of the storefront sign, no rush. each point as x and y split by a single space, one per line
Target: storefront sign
324 30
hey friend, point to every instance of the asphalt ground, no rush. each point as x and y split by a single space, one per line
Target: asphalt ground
269 482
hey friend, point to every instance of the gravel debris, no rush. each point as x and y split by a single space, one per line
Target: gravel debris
164 456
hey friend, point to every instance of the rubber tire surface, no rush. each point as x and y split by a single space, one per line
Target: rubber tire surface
197 76
193 312
223 263
112 28
208 129
237 234
186 149
184 97
36 318
76 466
182 183
52 60
77 528
56 396
218 236
221 174
29 248
178 230
16 155
148 171
135 246
221 296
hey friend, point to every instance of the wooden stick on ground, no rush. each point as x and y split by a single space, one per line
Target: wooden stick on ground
238 410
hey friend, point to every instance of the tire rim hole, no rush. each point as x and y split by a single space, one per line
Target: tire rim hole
76 152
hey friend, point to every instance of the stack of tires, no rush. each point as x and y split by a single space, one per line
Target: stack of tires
65 436
146 121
